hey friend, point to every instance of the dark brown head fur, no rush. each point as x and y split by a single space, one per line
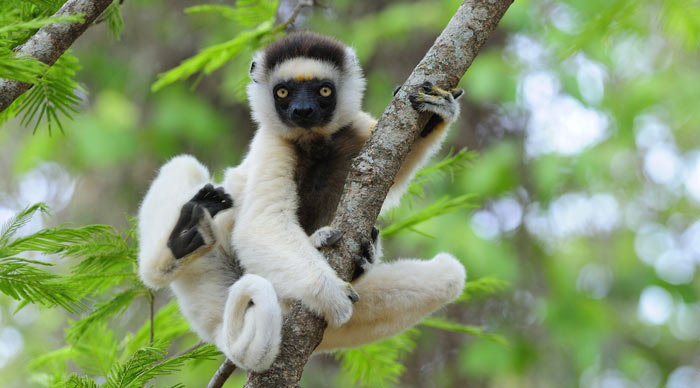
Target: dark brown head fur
307 45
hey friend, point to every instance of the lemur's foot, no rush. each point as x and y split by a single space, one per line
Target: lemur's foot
326 237
185 237
193 229
213 199
333 299
442 103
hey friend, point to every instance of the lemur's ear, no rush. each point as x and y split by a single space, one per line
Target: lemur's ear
252 69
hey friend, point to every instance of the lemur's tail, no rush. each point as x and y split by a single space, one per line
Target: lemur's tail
251 332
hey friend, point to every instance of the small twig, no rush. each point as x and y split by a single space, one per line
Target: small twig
151 302
222 374
191 348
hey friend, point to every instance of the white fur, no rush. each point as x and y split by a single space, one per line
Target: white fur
281 262
267 235
211 298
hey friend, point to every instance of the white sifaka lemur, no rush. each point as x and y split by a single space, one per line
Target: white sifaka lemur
236 255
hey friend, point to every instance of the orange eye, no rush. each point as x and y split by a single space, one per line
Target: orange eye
282 92
325 91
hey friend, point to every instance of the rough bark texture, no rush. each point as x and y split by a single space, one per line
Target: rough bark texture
374 170
51 41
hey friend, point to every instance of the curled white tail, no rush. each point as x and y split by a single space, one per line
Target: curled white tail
250 334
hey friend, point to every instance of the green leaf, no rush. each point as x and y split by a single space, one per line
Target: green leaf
23 69
448 166
38 23
246 13
483 286
168 324
378 365
113 16
29 284
10 228
466 329
212 58
149 362
442 206
102 312
53 94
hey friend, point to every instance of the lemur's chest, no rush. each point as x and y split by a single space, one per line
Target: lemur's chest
320 173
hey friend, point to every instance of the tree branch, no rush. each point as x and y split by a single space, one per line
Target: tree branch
222 374
51 41
374 170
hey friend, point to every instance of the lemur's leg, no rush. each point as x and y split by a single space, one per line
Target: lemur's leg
445 109
250 333
395 296
177 181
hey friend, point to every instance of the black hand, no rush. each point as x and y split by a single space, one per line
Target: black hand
365 257
185 237
213 199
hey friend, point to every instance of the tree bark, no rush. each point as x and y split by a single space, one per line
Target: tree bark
374 170
51 41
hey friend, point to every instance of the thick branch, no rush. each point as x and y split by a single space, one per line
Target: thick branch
375 169
51 41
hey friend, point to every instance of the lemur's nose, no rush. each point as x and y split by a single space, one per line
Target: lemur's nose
302 113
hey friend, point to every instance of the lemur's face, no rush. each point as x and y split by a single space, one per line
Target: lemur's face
305 103
305 85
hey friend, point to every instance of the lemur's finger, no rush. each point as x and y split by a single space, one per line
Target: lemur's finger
396 90
204 192
354 297
333 237
457 93
374 234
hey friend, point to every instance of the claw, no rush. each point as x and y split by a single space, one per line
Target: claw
334 237
354 298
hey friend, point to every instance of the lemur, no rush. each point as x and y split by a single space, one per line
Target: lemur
238 253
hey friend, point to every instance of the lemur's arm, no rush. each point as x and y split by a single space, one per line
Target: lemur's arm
173 222
270 242
445 108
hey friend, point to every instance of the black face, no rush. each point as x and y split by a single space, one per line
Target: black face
305 104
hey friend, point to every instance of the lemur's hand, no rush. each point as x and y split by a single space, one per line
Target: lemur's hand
442 103
367 256
187 235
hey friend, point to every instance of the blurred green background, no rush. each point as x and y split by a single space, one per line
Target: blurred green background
585 115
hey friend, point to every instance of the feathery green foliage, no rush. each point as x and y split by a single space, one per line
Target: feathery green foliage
450 165
53 94
7 31
480 287
442 206
113 16
103 311
213 57
258 14
246 13
476 331
378 365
